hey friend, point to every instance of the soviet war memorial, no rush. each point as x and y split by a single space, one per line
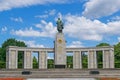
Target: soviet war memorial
60 51
59 39
60 68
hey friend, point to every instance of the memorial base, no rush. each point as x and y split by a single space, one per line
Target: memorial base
59 66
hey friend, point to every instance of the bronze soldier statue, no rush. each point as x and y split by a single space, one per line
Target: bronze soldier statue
59 25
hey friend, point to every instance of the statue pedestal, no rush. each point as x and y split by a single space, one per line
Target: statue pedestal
60 53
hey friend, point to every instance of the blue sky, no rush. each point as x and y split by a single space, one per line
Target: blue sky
86 22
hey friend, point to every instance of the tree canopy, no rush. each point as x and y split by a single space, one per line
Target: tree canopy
117 51
102 44
35 62
13 42
10 42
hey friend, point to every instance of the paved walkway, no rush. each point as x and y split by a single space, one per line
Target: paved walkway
63 79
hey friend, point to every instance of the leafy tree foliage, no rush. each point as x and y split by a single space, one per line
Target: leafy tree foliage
117 51
9 42
35 59
13 42
102 44
35 62
0 53
117 55
69 61
84 60
50 63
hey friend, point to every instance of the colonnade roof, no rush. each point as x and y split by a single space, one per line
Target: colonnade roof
67 49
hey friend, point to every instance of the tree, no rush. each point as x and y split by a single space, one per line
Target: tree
117 55
50 63
102 44
0 54
117 50
13 42
69 61
35 62
84 60
10 42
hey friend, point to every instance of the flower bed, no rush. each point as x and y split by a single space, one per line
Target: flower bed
12 79
109 78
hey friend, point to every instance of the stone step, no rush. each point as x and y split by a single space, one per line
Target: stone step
58 73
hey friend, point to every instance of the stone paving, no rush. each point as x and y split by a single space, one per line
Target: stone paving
63 79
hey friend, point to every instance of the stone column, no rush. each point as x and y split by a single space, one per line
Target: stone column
11 59
108 59
28 60
42 59
112 58
80 59
77 61
92 59
7 59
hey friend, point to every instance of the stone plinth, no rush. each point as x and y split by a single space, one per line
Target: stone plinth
60 51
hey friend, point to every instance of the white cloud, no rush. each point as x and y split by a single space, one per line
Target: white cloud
9 4
19 19
27 32
4 29
42 16
115 18
86 29
119 39
45 30
82 28
99 8
47 14
52 12
76 44
75 26
59 15
33 44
